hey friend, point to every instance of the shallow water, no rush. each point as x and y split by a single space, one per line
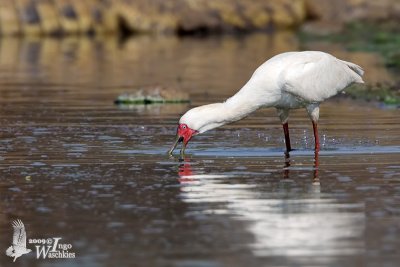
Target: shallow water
75 166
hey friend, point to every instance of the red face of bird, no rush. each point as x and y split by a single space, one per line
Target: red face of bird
183 134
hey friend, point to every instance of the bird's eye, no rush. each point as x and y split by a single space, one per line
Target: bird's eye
184 126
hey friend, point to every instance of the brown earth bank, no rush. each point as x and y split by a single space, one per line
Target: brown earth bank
325 16
38 17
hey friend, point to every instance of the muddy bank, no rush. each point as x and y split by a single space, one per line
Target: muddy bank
128 16
46 17
336 13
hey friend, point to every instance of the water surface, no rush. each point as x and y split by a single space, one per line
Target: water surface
74 165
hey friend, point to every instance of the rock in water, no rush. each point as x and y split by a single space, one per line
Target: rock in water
153 95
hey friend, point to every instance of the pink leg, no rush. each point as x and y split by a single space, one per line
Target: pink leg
287 138
316 136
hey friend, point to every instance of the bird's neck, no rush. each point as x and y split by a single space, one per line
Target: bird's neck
215 115
237 108
250 98
233 109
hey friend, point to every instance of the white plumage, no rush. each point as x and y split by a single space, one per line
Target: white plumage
286 81
18 247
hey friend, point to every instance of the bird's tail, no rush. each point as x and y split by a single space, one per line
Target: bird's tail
356 70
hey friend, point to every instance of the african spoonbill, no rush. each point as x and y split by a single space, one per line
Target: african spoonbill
286 81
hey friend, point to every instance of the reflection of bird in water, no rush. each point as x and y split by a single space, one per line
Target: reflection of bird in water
286 168
284 221
18 247
186 174
287 81
185 171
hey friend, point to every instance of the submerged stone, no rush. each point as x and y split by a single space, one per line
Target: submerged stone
153 95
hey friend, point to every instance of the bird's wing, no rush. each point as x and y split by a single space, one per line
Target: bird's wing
19 236
315 77
10 251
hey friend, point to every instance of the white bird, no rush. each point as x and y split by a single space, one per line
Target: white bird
18 247
286 81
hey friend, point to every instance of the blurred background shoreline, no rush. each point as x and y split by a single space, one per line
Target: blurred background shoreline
69 17
363 31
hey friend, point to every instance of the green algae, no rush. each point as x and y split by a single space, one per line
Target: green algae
386 94
382 38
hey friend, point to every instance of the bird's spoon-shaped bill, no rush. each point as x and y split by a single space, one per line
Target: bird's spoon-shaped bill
177 140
